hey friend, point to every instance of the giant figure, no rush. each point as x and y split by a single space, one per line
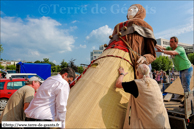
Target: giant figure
94 102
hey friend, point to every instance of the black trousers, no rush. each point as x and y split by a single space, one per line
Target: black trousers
32 119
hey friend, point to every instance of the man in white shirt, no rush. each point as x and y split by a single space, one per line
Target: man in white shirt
50 101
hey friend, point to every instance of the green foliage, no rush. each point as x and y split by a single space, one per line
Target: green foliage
12 67
53 68
45 60
64 64
191 57
1 67
162 62
56 68
72 65
37 61
80 69
1 48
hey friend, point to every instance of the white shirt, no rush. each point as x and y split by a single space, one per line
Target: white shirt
50 100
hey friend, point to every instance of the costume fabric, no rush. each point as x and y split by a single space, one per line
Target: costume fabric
14 110
50 100
147 110
181 62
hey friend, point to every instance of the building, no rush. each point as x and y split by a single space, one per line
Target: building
7 63
96 53
164 42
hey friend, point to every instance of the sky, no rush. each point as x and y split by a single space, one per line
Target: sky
33 30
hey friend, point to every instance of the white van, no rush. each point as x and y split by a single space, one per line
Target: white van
21 75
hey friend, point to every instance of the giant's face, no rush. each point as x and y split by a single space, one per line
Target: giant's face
132 11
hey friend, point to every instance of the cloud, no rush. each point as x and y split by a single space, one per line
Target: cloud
72 28
2 13
190 11
54 61
74 21
175 31
82 46
100 35
33 37
93 48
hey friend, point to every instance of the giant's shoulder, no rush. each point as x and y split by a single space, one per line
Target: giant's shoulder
137 21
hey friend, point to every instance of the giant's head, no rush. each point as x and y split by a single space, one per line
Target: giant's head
136 11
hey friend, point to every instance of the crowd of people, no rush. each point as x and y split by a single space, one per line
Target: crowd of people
162 77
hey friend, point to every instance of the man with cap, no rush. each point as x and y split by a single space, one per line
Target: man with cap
19 101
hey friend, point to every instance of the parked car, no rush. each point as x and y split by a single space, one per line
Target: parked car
11 71
22 75
8 87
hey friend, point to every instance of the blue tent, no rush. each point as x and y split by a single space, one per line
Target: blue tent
41 69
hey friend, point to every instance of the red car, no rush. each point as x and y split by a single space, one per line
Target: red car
8 87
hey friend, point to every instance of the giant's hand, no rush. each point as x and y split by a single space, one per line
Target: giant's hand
141 60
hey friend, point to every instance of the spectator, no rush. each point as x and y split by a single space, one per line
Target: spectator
154 74
144 113
164 78
19 101
4 74
180 60
161 76
158 75
51 99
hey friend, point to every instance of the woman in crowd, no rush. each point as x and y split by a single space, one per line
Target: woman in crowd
164 78
158 76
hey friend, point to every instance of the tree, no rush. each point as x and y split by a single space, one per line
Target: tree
72 65
58 68
162 62
12 67
80 69
64 64
54 68
191 57
1 67
37 61
1 48
45 60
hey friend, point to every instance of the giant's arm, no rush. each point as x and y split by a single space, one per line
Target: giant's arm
150 54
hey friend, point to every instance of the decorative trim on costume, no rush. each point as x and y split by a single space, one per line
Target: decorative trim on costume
143 31
76 80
